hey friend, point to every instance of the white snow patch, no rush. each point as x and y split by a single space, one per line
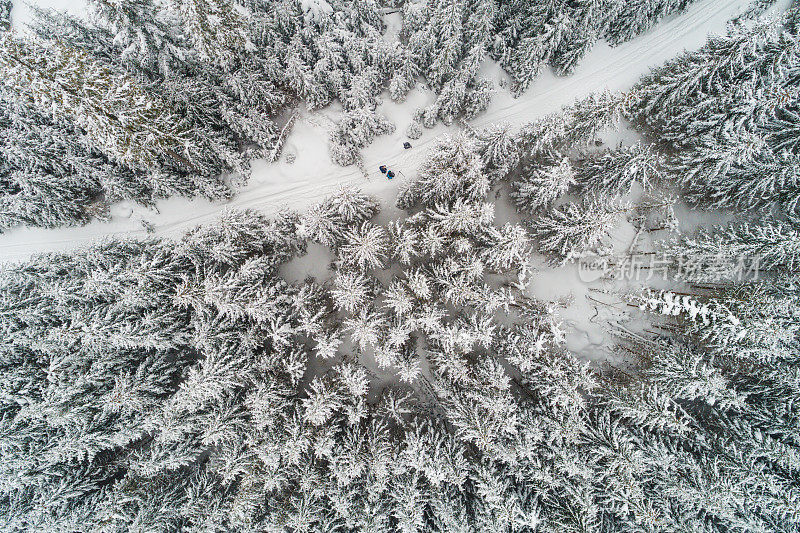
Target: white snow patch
21 13
121 210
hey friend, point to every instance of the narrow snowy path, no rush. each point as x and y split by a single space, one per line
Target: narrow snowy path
312 176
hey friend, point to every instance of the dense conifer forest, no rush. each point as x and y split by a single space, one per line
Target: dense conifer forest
416 384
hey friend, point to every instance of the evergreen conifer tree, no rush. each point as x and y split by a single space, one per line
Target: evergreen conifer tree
5 15
569 231
542 184
615 172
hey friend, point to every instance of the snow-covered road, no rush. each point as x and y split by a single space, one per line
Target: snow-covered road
313 176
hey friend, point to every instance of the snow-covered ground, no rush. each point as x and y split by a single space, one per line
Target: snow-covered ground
21 13
313 176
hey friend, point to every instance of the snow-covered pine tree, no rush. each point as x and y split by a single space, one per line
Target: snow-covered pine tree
121 118
636 17
745 174
589 19
48 24
755 9
730 140
321 57
724 400
365 247
737 252
449 39
508 249
52 176
217 29
453 170
435 36
357 129
614 172
5 14
680 81
576 126
327 222
567 232
365 327
498 149
227 105
414 131
548 31
351 291
48 178
144 40
405 76
219 96
543 183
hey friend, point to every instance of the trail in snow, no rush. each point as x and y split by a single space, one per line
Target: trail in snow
313 176
616 68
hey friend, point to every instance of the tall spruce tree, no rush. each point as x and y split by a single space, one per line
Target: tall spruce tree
729 132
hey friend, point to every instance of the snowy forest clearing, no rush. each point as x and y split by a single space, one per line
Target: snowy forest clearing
313 175
577 311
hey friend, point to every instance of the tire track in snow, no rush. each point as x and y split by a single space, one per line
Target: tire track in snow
623 64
